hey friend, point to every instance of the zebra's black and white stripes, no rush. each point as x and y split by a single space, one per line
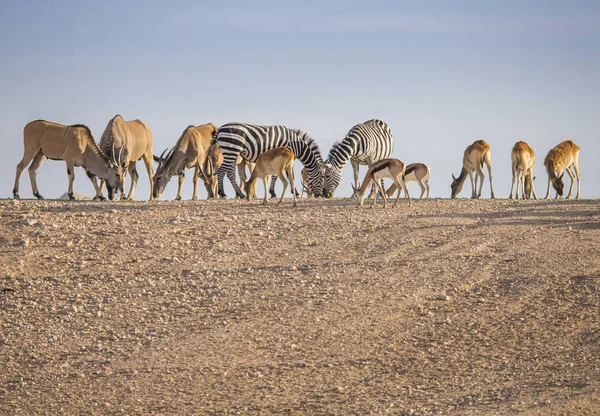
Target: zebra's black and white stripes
365 144
249 141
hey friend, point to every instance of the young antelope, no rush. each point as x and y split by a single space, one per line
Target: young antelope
417 172
278 161
385 168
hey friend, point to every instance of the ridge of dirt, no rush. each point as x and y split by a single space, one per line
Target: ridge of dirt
449 307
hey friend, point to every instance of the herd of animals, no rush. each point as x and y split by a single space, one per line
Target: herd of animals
267 152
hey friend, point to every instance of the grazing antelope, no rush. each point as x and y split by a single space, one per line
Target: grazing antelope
134 140
523 159
73 144
563 157
417 172
385 168
278 161
475 156
190 151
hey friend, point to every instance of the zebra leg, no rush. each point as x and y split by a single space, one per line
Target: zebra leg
231 177
228 168
220 176
355 168
272 193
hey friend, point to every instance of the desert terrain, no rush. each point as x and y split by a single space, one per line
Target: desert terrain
449 307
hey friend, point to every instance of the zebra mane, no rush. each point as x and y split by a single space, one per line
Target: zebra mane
311 143
334 149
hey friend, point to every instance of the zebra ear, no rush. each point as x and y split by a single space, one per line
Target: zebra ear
326 165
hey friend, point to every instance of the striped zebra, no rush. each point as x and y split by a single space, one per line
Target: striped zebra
365 144
249 141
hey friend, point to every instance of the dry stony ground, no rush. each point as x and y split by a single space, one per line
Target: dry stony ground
452 307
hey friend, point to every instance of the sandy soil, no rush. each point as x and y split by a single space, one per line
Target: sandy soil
448 307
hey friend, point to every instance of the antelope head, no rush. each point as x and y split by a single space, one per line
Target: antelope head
209 176
558 184
359 197
116 176
456 186
164 172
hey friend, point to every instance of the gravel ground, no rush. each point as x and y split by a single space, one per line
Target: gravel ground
450 307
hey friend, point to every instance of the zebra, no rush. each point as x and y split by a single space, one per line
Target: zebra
249 141
365 144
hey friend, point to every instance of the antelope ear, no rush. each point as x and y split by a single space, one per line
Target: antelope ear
534 178
453 177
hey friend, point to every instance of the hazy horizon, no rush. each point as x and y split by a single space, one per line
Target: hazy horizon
441 75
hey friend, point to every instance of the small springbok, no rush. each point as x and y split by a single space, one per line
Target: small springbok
73 144
523 160
278 161
475 156
384 168
415 172
563 157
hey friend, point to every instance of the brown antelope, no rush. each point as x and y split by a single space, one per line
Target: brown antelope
278 161
418 172
190 151
563 157
523 160
475 156
385 168
73 144
134 140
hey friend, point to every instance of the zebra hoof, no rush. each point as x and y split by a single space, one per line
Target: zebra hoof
16 196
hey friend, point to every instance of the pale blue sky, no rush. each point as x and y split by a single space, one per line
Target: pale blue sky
441 73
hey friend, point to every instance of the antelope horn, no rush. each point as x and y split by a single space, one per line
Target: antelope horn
163 162
121 156
113 153
201 173
212 167
160 158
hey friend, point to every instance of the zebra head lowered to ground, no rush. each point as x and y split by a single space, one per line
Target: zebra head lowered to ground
249 141
365 144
